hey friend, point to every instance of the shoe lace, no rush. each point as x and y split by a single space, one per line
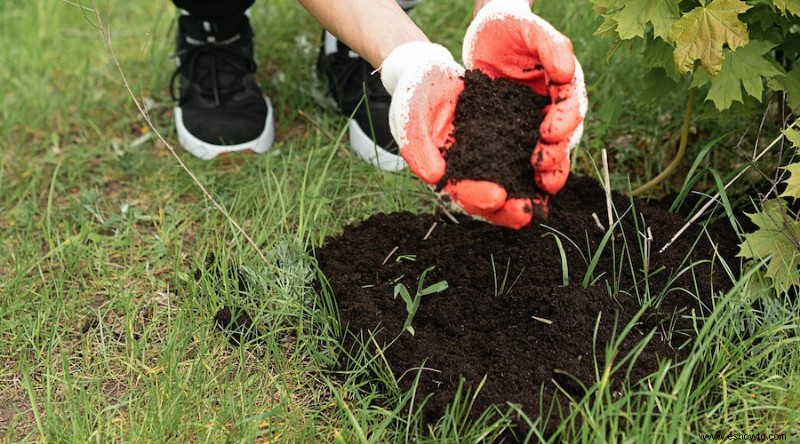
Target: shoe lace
205 62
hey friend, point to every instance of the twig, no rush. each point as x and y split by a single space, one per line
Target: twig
448 214
607 186
104 32
430 230
597 222
389 255
546 321
717 194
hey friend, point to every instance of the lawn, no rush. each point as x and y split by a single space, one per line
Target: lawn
116 252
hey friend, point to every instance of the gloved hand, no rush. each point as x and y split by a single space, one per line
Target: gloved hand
505 40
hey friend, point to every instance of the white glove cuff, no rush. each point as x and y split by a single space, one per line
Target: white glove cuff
410 61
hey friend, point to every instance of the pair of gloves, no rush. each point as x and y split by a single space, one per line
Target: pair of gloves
504 40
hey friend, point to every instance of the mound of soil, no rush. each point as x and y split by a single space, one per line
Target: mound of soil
507 314
499 118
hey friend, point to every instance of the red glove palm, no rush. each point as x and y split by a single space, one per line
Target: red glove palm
505 40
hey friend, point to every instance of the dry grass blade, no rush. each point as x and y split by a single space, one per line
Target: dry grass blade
385 260
607 187
542 320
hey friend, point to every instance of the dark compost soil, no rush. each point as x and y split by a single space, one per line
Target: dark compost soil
535 332
500 117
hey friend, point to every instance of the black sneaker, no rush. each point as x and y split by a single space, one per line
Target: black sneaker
221 108
358 92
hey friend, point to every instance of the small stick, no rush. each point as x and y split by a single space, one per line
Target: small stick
546 321
390 255
430 230
597 222
449 215
607 186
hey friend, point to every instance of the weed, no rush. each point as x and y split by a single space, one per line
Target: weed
500 287
412 303
563 255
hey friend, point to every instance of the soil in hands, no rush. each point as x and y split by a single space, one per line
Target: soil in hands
507 314
496 127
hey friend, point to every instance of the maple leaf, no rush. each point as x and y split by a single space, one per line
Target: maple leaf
602 6
790 83
790 6
793 182
793 135
634 16
777 243
702 33
746 67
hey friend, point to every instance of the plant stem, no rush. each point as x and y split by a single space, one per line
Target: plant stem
687 117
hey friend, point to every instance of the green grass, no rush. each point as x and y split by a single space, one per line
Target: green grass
113 263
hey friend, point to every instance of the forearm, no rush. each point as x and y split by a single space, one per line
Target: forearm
372 28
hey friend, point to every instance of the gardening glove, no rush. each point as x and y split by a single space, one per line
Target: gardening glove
507 40
425 82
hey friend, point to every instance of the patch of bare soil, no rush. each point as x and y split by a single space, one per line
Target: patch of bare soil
507 314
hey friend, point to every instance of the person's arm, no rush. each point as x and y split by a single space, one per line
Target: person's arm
372 28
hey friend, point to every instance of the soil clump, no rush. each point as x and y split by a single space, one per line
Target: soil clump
496 127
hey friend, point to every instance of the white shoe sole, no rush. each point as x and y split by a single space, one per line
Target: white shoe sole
207 151
367 149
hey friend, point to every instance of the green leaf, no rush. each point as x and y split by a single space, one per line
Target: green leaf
434 288
608 28
658 85
658 54
789 83
602 6
633 18
793 135
746 67
400 289
791 6
776 243
701 34
793 182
